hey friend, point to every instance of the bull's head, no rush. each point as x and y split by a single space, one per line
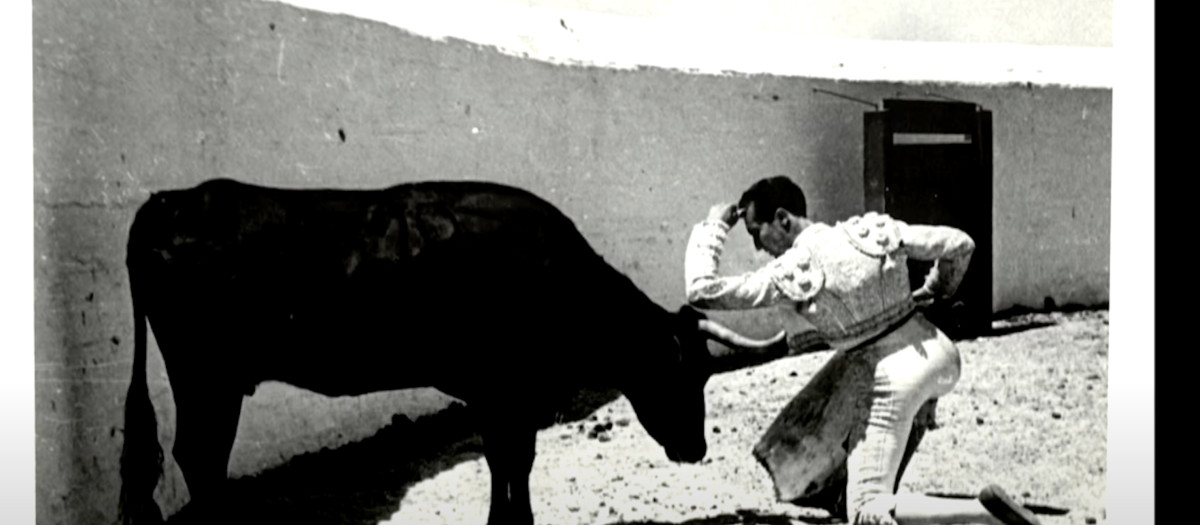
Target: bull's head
669 397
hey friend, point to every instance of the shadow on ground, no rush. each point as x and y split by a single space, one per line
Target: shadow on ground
1012 328
1021 319
1013 320
1046 510
363 483
749 517
742 517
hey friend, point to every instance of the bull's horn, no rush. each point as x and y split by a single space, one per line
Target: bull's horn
730 338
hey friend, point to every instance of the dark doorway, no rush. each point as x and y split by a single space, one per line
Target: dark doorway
930 162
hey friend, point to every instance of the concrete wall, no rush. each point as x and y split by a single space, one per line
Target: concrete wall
134 96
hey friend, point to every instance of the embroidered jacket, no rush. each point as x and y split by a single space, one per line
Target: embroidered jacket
849 280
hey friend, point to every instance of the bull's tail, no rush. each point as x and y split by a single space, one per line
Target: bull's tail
141 455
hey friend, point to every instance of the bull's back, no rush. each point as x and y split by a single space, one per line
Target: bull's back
325 265
224 229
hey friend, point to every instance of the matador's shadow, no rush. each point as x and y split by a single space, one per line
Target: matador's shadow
363 483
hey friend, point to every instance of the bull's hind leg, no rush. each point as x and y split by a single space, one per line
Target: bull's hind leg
509 450
206 425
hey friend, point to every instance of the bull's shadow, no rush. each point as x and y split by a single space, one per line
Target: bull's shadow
358 483
363 483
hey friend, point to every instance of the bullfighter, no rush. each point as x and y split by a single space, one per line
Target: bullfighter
842 443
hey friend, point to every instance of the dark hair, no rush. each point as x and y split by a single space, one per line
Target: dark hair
772 193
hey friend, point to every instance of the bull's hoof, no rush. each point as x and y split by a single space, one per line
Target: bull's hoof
510 520
148 515
509 516
1004 508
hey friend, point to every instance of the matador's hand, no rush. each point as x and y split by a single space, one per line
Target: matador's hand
726 213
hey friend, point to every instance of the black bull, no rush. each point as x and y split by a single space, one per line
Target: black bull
485 292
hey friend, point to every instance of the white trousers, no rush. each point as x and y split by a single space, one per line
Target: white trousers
848 428
912 365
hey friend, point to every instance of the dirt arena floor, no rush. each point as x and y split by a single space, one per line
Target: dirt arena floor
1029 413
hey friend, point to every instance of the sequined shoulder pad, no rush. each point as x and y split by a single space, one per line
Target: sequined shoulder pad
797 274
874 234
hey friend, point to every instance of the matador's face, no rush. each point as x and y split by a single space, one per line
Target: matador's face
772 233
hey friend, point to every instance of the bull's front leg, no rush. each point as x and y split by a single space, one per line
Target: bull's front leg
509 451
523 452
495 456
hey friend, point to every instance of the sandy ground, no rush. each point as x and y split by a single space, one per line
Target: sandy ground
1029 413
